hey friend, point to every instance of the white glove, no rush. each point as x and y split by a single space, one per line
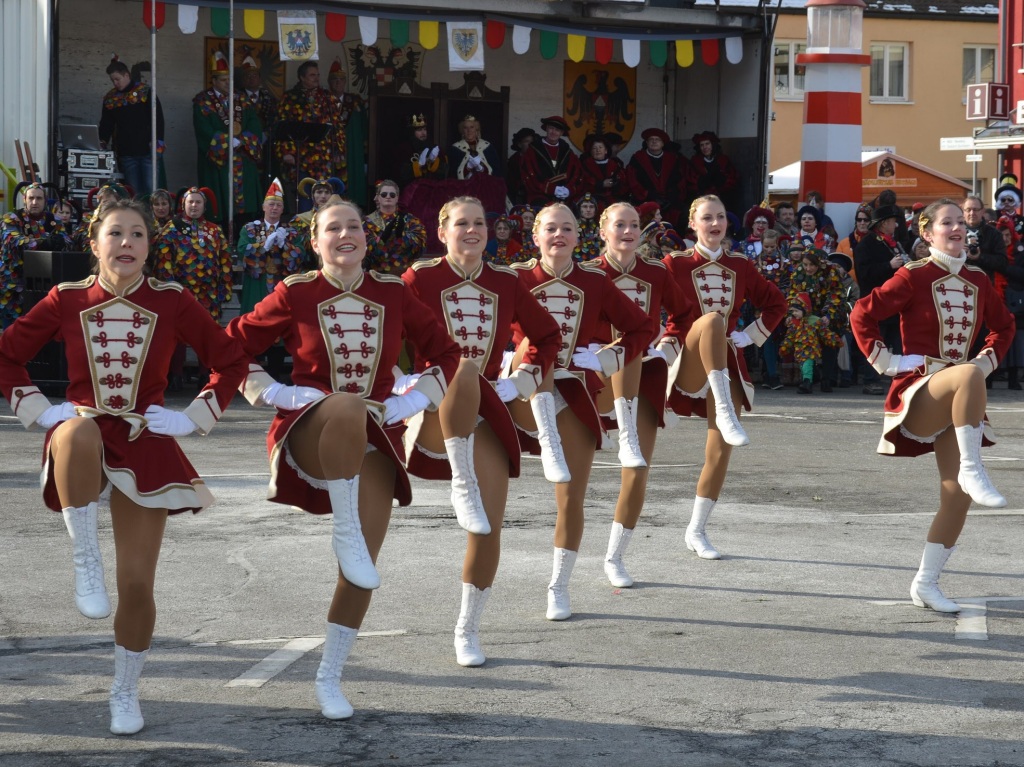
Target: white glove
584 358
506 389
54 414
404 383
236 142
276 238
434 153
290 397
903 363
653 351
561 192
423 156
740 338
170 423
406 406
476 163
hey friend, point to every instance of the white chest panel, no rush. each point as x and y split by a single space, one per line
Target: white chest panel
564 302
716 288
352 327
117 337
956 302
471 312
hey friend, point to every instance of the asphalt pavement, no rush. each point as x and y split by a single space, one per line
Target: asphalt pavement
800 647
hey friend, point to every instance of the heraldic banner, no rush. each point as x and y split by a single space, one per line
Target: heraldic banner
296 32
466 46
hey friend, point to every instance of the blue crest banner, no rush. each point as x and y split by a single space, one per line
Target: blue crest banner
466 47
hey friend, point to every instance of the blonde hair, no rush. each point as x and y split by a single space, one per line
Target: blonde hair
315 223
383 183
606 213
551 207
770 234
927 217
700 201
446 210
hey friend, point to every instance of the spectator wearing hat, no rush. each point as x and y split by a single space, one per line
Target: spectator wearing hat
985 247
351 130
711 172
127 126
514 164
269 249
473 155
820 281
218 126
550 169
604 176
876 259
802 340
811 233
825 223
756 222
1008 198
250 85
902 235
420 157
656 175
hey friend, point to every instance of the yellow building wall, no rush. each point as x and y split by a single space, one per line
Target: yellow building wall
936 107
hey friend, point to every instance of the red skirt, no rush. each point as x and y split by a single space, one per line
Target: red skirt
653 384
495 414
289 488
684 405
151 470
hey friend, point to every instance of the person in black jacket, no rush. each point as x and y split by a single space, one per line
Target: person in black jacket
876 258
127 125
985 248
1014 294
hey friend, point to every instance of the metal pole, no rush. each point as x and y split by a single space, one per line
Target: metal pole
230 222
153 154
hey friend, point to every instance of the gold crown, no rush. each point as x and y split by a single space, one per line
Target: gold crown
418 121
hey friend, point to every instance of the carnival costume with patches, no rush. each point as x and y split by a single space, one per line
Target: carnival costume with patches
582 299
315 105
503 252
589 244
261 99
803 339
268 261
942 304
126 124
722 284
194 253
20 232
217 127
394 241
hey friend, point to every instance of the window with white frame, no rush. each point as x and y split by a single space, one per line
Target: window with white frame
979 64
788 75
890 65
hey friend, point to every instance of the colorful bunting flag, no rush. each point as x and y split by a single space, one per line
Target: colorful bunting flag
709 52
254 23
148 7
495 34
576 47
548 44
188 18
520 39
603 49
368 29
220 22
631 53
335 26
684 53
734 50
658 50
429 34
399 31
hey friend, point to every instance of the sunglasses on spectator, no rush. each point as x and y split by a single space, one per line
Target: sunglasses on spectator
863 220
387 194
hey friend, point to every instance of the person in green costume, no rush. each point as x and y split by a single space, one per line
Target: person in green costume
268 249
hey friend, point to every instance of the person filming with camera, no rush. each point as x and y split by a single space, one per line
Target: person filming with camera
985 248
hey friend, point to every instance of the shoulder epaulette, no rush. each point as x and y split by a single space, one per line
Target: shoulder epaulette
918 264
80 285
502 268
974 268
653 261
417 265
681 253
162 285
381 277
525 265
587 266
302 277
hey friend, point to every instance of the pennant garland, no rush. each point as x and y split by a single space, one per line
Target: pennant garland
603 49
368 29
684 53
220 22
335 26
429 34
520 39
188 18
147 14
495 34
658 50
734 50
548 44
631 53
254 23
576 47
399 31
709 52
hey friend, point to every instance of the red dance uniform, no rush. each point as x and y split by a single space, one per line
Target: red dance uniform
479 310
941 312
118 349
649 285
582 299
342 340
722 285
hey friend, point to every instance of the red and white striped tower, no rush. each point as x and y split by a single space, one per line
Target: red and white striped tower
831 151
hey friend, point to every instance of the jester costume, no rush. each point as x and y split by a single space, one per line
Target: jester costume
393 242
589 245
215 130
194 253
316 105
20 232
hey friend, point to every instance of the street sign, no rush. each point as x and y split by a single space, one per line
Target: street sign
1018 114
956 143
974 158
988 101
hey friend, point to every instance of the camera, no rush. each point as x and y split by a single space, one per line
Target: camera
972 244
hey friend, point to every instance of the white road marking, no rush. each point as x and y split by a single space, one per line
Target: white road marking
971 513
282 658
971 621
780 416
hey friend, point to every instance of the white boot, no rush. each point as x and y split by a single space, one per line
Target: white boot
551 456
696 539
924 591
466 500
90 589
467 631
630 455
613 566
125 714
347 539
725 414
337 646
558 589
973 478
